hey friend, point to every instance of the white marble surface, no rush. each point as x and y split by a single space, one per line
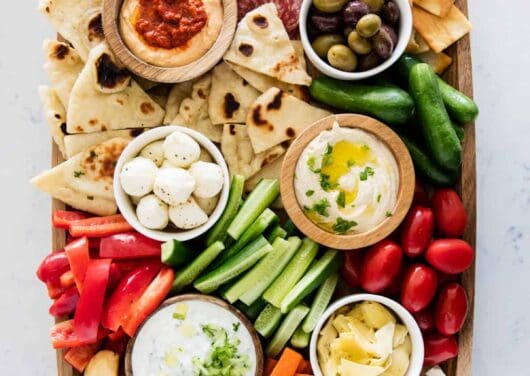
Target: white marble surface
501 58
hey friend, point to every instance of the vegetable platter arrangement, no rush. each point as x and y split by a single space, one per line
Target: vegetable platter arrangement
257 187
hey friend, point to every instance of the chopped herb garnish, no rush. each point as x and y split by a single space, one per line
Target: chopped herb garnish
90 198
350 162
379 197
309 193
341 199
77 174
388 214
365 147
368 171
311 161
325 183
327 158
235 326
342 225
320 207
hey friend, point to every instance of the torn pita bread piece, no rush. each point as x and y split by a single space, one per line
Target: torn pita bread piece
193 112
77 21
230 96
439 8
276 117
439 61
417 44
239 154
55 116
176 95
85 181
63 66
159 94
77 143
440 33
261 44
105 98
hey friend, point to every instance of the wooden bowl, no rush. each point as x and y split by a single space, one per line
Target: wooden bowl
404 195
209 299
111 28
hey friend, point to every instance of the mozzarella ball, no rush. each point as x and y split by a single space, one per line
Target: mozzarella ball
137 176
187 215
181 150
174 185
152 213
167 164
136 199
208 179
154 151
208 205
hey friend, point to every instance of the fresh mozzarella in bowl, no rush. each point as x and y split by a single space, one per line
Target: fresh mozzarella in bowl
155 152
181 150
187 215
152 212
208 179
174 185
138 176
208 205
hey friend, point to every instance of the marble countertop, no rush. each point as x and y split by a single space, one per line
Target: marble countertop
502 323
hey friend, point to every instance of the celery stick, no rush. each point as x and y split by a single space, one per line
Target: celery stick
268 320
276 232
286 330
320 302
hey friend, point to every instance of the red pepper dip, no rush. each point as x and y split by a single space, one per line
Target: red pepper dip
170 24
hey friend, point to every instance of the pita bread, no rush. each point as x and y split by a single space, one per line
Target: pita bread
239 154
63 66
159 94
78 21
177 94
276 117
261 44
55 116
270 171
105 98
230 96
193 112
76 143
85 181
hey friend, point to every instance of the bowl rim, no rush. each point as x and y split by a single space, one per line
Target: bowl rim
111 28
403 39
123 200
417 353
404 193
212 300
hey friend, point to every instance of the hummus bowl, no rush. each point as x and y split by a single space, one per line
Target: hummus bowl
347 181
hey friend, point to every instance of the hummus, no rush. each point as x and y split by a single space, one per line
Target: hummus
170 33
346 180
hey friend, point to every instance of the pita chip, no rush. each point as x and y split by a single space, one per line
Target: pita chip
55 116
176 95
439 8
438 61
261 44
76 143
276 117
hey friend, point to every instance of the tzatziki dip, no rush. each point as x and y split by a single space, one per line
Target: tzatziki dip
193 338
346 180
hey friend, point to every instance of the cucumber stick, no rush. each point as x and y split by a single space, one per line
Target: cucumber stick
193 270
261 197
251 311
329 263
300 339
276 232
286 330
292 273
320 303
218 232
234 266
268 320
175 253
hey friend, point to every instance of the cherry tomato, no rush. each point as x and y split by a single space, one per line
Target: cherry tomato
417 231
419 287
449 212
420 195
451 256
380 266
444 278
438 349
351 268
425 319
451 309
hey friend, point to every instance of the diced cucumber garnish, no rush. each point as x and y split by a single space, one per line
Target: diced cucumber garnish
320 303
286 330
251 311
300 339
176 253
276 232
268 320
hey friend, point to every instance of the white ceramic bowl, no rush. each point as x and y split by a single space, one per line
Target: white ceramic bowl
416 356
128 210
405 31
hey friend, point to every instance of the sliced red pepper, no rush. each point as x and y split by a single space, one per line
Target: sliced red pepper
117 342
129 245
90 305
97 227
149 301
55 290
65 304
119 269
67 279
52 267
78 357
63 218
126 294
63 335
78 257
93 243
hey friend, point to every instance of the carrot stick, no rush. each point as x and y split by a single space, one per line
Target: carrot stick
304 367
287 364
270 363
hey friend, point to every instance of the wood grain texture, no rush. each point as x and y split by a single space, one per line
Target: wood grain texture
111 12
404 195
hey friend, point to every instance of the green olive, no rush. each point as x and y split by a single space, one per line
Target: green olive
368 25
358 44
323 43
329 6
348 30
374 5
341 57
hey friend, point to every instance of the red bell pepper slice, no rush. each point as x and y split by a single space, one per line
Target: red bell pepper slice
129 245
64 336
78 257
67 279
97 227
78 357
66 303
149 301
52 267
93 243
55 290
90 306
117 342
129 290
63 218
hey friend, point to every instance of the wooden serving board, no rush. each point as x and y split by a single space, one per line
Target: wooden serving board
460 76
